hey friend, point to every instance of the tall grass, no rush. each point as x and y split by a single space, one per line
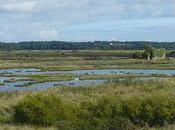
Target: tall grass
124 105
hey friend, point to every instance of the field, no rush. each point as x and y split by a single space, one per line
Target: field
120 105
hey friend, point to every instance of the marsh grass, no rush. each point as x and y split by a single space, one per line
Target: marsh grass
70 60
120 87
97 108
50 78
115 76
86 102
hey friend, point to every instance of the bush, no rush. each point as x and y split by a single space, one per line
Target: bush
120 123
162 109
108 113
155 110
137 55
40 109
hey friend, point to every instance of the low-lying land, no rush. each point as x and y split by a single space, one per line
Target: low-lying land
120 105
72 60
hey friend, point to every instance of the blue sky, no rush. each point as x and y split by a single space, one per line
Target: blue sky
87 20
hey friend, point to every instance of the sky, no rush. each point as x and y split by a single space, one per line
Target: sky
87 20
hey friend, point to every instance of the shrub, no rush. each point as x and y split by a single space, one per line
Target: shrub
120 123
107 115
155 110
137 55
40 110
131 109
163 109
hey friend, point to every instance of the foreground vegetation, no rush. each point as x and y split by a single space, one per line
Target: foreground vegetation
124 105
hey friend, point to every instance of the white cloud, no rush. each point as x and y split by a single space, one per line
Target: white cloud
28 6
85 19
48 34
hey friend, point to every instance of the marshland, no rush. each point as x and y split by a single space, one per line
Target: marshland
87 65
86 90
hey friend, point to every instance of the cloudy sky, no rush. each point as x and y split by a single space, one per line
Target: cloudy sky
87 20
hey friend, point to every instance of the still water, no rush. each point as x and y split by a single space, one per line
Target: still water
19 85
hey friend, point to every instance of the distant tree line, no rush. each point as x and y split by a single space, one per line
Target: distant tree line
102 45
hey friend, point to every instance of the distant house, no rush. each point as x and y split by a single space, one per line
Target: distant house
111 44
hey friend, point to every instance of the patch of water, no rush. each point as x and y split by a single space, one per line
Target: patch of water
19 85
4 79
11 87
80 72
123 71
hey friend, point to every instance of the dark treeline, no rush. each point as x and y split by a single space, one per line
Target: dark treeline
103 45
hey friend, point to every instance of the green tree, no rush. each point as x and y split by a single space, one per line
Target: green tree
148 51
137 55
